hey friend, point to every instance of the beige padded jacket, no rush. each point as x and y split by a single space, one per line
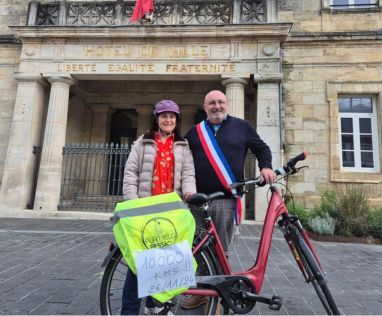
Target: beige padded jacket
139 168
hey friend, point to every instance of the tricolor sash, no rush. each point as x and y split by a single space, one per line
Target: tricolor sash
219 164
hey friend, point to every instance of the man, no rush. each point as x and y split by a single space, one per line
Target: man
234 136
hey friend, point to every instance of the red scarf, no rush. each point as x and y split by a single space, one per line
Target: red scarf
163 176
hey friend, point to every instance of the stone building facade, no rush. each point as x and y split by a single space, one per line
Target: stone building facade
307 74
332 57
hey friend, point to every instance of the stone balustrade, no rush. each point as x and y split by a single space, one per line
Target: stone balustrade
167 12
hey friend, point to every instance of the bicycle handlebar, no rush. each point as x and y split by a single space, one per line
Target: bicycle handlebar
291 164
289 168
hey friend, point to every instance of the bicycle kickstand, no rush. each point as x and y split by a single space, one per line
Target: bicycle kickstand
274 303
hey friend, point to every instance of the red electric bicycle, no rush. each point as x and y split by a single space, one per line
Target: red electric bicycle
238 291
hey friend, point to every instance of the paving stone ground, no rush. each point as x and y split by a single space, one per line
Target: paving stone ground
53 266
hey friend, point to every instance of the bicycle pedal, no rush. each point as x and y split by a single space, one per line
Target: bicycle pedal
276 303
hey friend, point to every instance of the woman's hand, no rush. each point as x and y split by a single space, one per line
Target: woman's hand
187 195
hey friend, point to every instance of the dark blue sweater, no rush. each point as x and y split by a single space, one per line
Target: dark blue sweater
234 137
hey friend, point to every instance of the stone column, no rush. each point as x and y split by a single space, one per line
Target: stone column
235 95
49 178
20 163
188 118
144 118
101 118
268 127
235 98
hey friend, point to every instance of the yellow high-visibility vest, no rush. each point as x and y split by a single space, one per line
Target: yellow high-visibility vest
153 222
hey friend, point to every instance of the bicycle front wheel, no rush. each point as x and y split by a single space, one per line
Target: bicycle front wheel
314 273
113 281
112 284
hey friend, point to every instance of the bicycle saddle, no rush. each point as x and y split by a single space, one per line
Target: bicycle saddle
201 198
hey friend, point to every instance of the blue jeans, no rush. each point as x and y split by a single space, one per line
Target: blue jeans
130 301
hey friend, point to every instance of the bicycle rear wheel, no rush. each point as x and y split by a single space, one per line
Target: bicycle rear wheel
315 275
114 278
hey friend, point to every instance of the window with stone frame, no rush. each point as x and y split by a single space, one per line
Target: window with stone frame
359 148
350 4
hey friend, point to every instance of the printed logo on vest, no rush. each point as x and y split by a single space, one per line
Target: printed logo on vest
159 232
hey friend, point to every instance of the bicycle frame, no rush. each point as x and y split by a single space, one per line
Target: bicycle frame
256 273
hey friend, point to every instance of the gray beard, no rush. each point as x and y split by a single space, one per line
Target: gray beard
217 117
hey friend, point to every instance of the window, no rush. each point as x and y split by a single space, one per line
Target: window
358 133
344 4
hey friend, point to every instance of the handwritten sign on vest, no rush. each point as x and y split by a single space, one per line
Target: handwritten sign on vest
163 269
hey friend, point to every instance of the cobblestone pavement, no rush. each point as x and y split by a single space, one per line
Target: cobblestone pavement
54 267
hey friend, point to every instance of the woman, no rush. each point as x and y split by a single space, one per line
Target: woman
159 162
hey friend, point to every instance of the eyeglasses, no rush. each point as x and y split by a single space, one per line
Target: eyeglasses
216 102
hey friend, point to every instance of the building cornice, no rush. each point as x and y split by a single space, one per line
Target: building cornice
278 31
304 38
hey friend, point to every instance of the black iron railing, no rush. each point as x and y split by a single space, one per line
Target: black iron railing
92 176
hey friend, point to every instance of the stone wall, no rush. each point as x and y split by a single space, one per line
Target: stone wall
316 16
12 12
327 52
9 56
318 65
79 122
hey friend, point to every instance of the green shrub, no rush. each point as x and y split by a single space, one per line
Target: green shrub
353 210
299 211
324 225
329 204
374 223
349 209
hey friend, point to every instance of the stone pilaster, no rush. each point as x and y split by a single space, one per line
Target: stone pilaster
49 178
235 99
32 12
144 118
20 163
268 127
101 118
188 118
235 95
271 11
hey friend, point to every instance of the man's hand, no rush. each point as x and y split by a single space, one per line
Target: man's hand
267 175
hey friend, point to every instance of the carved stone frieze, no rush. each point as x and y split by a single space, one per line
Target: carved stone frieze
252 11
91 14
200 12
47 14
270 117
164 13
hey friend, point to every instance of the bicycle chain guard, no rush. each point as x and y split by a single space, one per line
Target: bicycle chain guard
231 289
241 303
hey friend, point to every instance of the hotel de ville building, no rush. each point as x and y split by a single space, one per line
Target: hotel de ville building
79 81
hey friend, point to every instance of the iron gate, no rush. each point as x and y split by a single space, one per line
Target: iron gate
92 176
